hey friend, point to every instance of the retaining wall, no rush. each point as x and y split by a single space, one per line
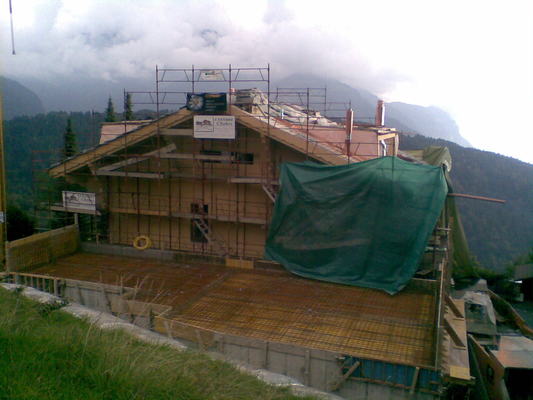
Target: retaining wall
41 248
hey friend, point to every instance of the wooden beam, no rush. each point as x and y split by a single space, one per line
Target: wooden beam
252 179
146 175
73 210
232 179
129 161
245 179
387 136
219 217
120 210
136 159
345 376
471 196
414 382
225 218
176 132
453 307
456 340
191 156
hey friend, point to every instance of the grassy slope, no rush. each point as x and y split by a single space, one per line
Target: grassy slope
48 354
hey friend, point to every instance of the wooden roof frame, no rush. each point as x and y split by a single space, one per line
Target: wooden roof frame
128 139
255 122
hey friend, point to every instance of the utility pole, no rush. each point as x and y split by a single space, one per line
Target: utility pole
3 202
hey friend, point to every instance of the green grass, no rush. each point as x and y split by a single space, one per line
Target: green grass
49 354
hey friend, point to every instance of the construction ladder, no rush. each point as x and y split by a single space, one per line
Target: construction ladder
270 192
202 225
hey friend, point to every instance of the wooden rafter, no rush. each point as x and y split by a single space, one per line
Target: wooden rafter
203 157
134 160
145 175
142 133
177 132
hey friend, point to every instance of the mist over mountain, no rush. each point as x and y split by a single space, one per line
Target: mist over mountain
73 57
88 94
75 94
427 121
18 99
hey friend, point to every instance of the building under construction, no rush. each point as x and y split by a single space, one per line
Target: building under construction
195 234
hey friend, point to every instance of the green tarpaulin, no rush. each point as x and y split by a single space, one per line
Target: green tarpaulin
363 224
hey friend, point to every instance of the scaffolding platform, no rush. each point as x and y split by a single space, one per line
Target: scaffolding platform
273 305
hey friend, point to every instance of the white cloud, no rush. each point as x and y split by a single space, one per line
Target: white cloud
473 58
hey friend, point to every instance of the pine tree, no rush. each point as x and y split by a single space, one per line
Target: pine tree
19 223
128 108
110 111
70 146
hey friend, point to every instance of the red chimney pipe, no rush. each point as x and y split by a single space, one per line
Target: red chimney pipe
349 129
380 113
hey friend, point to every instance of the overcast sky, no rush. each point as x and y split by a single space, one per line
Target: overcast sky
472 58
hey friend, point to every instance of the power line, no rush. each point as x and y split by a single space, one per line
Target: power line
12 33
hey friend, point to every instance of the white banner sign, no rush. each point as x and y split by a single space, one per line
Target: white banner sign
211 75
214 127
79 200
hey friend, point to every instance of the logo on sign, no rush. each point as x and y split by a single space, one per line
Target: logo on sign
79 200
214 127
203 125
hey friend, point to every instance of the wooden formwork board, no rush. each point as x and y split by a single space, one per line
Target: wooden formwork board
273 306
29 252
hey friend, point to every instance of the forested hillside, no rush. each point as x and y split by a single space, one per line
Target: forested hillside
496 233
33 143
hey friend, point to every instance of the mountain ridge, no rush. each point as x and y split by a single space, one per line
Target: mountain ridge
411 118
496 233
429 121
18 100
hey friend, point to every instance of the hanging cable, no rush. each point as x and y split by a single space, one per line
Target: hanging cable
12 33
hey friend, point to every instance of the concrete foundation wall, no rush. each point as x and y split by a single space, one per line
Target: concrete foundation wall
316 368
103 298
